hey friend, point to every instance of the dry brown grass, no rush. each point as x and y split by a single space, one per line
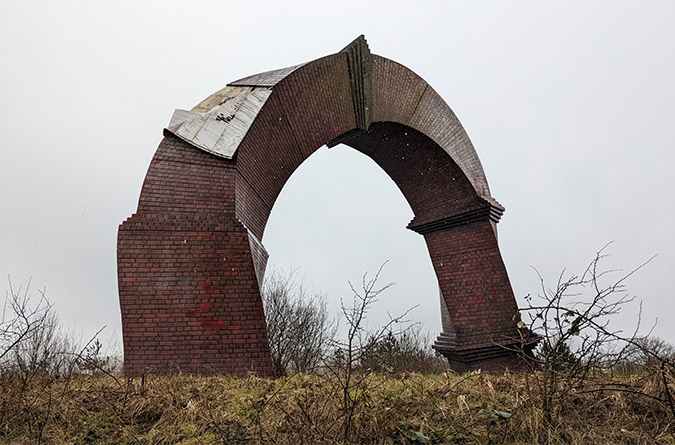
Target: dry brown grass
446 408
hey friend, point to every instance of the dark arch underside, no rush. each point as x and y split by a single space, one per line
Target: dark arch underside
190 261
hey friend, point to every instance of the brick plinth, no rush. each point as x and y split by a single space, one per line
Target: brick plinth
495 359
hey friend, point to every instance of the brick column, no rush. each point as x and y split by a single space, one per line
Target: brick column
480 323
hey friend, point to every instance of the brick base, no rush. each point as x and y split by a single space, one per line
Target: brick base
189 298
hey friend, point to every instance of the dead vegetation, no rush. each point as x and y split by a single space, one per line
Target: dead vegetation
588 383
409 408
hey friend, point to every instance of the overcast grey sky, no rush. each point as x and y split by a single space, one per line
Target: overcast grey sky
570 105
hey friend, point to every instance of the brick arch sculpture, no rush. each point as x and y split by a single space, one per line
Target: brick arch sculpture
190 260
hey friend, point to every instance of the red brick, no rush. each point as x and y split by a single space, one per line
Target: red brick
190 261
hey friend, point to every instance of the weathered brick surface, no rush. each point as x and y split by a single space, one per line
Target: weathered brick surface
474 283
188 290
190 262
432 183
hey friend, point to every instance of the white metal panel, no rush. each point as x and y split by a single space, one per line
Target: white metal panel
220 97
179 118
221 130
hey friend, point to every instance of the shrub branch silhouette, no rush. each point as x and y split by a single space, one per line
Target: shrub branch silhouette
353 382
298 326
577 341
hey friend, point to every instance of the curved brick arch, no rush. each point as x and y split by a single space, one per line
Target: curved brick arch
190 261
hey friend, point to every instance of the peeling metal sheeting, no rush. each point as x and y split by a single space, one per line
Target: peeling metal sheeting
221 129
266 79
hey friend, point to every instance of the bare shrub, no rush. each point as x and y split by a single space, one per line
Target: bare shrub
92 359
298 326
351 380
32 343
22 319
36 356
410 351
645 353
578 343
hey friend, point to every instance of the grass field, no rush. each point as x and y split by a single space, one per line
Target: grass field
303 409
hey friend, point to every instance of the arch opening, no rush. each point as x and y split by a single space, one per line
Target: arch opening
340 215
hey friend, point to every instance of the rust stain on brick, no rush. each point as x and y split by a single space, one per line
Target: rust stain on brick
213 324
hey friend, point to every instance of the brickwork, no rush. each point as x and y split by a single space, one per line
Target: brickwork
190 261
188 289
